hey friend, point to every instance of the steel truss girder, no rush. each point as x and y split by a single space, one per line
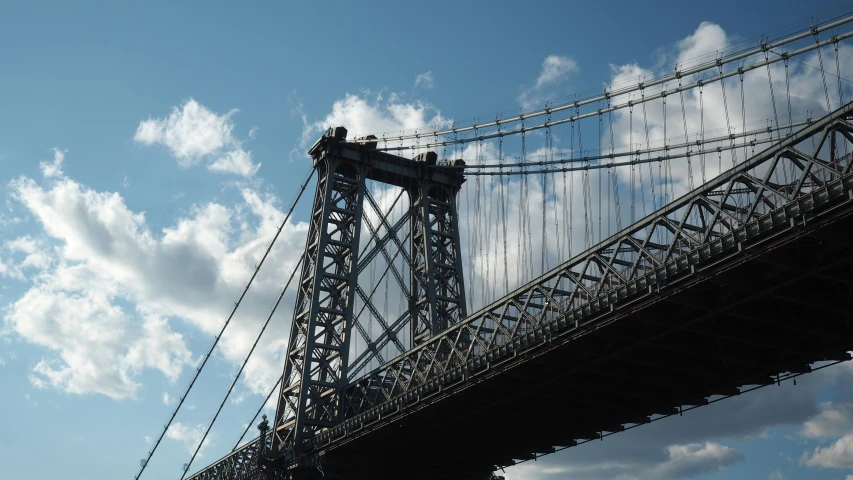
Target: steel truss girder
764 194
716 220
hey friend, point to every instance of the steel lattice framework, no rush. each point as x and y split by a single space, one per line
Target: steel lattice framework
439 294
772 195
317 362
758 197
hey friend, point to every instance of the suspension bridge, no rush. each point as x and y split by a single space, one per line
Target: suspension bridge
480 295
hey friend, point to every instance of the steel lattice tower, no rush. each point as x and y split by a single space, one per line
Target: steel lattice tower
316 365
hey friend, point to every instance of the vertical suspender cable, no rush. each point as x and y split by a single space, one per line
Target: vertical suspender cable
823 74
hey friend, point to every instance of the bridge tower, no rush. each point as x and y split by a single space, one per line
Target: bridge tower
316 369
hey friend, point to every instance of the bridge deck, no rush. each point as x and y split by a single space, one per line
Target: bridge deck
778 307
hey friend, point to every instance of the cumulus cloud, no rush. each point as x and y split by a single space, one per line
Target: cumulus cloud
425 80
691 460
365 114
834 420
100 349
776 475
189 436
103 300
679 461
193 134
26 254
555 68
53 169
686 115
837 455
709 39
236 161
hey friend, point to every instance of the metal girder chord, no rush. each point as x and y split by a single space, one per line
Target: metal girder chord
240 462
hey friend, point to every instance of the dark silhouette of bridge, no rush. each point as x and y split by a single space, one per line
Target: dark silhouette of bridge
744 281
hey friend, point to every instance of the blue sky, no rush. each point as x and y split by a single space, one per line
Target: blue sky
147 151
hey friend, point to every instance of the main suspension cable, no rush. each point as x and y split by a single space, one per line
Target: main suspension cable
635 153
609 94
216 339
587 166
243 366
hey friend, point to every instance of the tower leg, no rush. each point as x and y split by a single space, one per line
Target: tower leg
316 365
438 293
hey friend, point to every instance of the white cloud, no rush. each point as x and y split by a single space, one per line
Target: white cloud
834 420
193 133
166 399
555 68
103 302
425 80
837 455
776 475
189 436
362 115
706 108
53 169
687 461
36 253
235 161
681 461
709 39
100 349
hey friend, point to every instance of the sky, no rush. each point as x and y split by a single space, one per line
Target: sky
148 152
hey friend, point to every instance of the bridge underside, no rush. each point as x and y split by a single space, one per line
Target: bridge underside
778 307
